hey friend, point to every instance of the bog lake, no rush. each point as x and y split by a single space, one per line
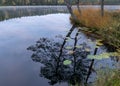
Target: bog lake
22 26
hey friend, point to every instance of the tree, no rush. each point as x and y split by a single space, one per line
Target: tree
69 6
102 7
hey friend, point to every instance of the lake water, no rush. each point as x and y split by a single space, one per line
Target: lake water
25 25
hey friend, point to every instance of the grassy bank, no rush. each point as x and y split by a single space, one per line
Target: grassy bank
106 28
108 77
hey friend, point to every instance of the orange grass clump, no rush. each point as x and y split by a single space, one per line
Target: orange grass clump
92 18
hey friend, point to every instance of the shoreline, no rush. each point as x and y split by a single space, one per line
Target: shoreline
112 7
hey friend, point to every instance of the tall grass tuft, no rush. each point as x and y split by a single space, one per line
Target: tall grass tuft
92 18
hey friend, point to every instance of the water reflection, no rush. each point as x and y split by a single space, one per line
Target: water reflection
65 60
52 54
17 69
19 11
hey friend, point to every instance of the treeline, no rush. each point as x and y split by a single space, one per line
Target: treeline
29 11
52 2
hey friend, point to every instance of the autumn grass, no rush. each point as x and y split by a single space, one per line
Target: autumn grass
91 18
106 28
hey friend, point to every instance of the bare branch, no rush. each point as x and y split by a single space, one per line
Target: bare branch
102 7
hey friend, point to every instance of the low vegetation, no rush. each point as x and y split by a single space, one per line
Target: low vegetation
106 28
108 77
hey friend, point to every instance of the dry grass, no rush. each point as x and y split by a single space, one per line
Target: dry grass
106 27
92 18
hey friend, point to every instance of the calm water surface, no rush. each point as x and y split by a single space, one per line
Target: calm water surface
17 34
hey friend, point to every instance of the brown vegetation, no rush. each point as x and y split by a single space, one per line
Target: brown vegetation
106 28
92 18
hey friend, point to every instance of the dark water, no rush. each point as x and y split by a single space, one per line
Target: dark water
17 34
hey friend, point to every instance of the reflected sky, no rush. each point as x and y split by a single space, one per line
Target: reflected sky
16 66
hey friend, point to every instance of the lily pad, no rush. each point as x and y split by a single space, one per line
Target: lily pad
78 46
68 47
70 52
87 49
99 57
67 62
99 44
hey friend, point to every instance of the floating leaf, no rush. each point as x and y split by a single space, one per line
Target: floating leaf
87 49
70 52
78 46
100 56
67 31
67 62
89 40
68 47
78 32
99 43
118 50
96 46
90 56
67 38
99 40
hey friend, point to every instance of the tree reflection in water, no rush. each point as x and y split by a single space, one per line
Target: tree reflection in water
52 54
